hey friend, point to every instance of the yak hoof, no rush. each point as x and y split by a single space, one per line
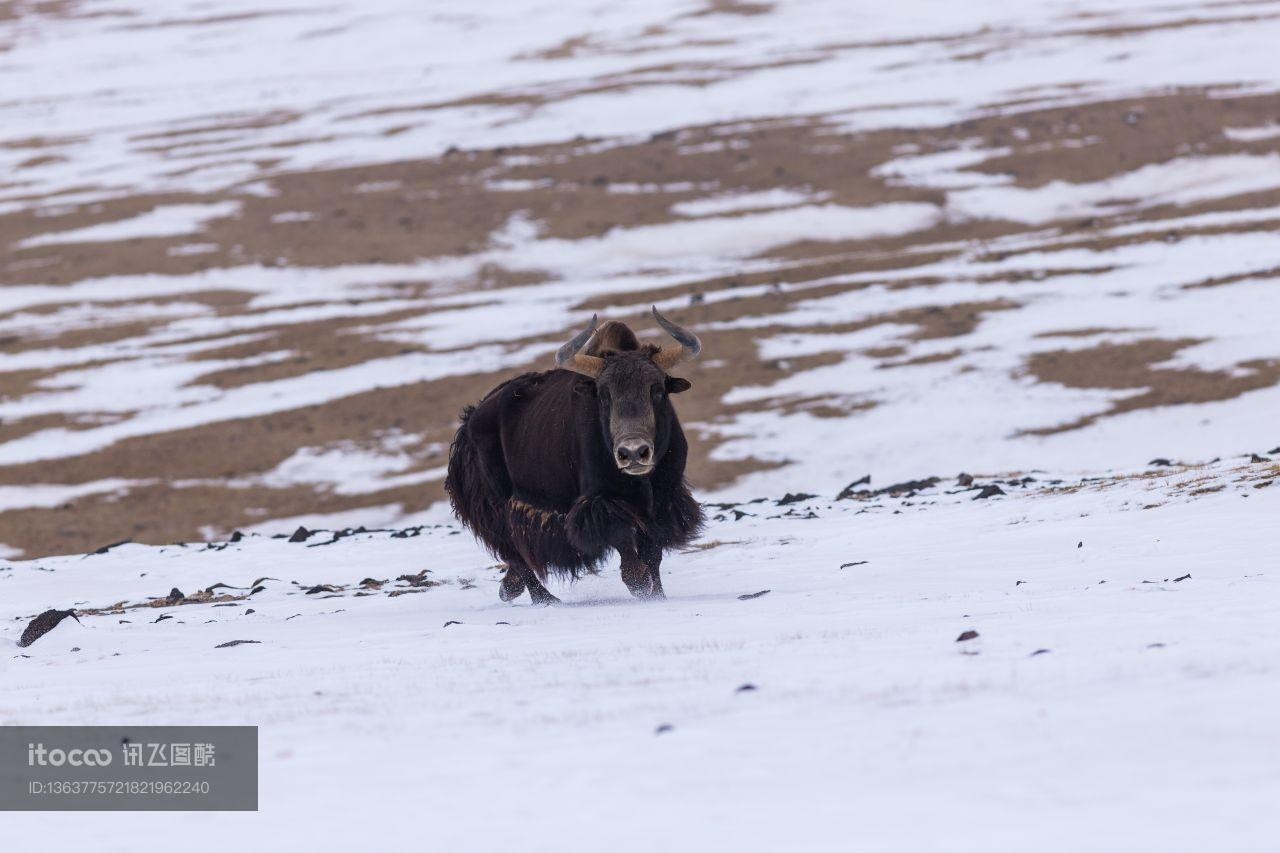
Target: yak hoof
642 588
638 579
512 587
546 599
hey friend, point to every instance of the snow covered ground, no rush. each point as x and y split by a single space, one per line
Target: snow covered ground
1120 694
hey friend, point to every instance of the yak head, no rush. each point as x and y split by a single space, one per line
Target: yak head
632 386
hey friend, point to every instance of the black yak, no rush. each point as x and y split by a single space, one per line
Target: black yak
554 470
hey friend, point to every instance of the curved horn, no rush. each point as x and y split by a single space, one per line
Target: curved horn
568 357
687 344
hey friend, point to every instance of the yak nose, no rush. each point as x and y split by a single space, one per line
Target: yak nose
634 452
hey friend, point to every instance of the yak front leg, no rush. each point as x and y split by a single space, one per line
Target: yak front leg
597 523
651 556
640 569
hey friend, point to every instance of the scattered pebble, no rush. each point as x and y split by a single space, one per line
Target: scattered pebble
967 635
231 643
105 548
420 579
851 489
752 595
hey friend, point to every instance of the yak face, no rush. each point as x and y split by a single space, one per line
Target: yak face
634 412
632 386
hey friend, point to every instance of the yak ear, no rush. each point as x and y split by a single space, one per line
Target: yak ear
675 385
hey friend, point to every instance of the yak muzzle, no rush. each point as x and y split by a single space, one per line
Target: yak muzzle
634 456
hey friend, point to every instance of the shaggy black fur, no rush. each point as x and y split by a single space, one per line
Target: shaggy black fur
532 473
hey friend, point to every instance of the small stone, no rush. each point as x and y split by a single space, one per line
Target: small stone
43 624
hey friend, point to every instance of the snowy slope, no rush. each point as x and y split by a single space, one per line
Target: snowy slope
1120 694
1074 183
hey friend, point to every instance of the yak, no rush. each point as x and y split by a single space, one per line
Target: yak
554 470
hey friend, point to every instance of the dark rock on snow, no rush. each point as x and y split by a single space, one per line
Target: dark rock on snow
43 624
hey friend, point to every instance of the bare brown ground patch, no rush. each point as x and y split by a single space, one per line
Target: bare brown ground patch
1132 366
19 383
1088 332
310 346
732 7
932 358
1092 142
216 19
20 427
1219 281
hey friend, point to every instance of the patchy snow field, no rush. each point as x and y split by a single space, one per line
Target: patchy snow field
1120 694
928 236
